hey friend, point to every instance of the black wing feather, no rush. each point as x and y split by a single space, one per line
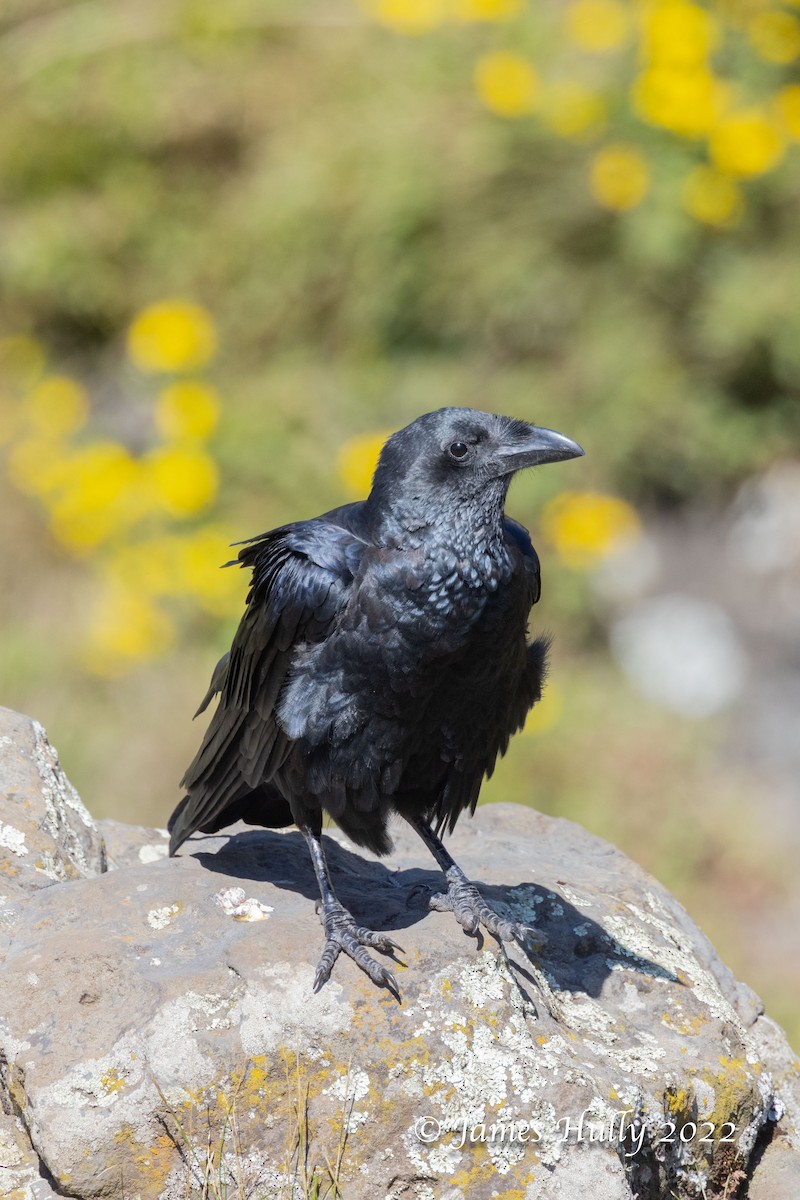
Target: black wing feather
302 575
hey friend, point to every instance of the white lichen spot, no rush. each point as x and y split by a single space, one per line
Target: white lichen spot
54 868
284 1011
575 898
160 918
13 839
706 1097
444 1158
235 903
353 1085
636 940
585 1014
10 1153
631 1001
642 1059
152 853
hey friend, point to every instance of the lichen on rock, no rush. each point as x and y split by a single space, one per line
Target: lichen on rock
148 1035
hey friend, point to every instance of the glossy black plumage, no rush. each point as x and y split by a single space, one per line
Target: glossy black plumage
382 662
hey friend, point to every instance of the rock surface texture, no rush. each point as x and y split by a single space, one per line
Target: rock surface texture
159 1036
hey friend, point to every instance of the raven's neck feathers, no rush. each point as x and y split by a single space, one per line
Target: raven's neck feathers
469 539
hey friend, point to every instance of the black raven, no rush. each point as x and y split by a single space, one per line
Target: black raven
382 663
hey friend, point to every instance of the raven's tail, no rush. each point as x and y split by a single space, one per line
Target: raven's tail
261 806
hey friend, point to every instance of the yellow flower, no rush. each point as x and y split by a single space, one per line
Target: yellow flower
507 84
688 102
486 10
619 177
37 466
678 33
150 567
712 198
187 410
357 460
126 629
775 35
10 417
545 715
573 111
57 406
183 478
173 335
788 105
586 527
220 591
407 16
97 497
598 25
22 360
746 143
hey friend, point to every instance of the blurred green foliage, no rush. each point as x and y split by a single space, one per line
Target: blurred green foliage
372 241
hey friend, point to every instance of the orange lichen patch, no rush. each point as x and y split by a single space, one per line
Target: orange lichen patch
683 1022
679 1101
112 1081
152 1161
733 1089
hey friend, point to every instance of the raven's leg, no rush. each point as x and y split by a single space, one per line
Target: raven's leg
472 911
341 931
463 897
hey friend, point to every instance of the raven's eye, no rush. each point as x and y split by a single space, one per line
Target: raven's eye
458 450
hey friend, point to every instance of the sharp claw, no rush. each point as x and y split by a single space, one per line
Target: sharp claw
342 934
524 933
391 983
386 944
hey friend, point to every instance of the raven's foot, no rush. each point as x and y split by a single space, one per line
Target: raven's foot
471 910
342 933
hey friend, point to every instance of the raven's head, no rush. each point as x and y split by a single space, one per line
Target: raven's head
458 455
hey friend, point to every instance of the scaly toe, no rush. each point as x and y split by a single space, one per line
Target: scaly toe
471 911
342 934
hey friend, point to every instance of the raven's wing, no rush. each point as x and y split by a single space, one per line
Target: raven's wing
302 576
519 537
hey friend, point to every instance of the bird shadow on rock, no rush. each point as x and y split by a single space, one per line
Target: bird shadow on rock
574 951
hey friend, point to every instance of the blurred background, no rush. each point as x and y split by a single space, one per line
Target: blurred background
242 242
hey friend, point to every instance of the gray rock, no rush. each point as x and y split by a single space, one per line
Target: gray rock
160 1030
778 1174
46 833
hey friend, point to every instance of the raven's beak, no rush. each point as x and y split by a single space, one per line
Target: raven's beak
543 446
